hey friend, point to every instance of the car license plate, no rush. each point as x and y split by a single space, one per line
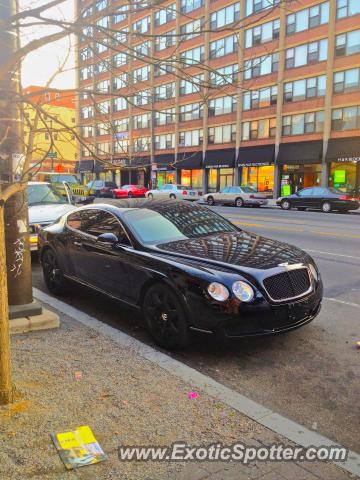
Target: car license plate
192 193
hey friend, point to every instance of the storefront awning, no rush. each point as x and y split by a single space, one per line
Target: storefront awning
162 162
343 150
89 166
299 153
189 160
220 158
256 156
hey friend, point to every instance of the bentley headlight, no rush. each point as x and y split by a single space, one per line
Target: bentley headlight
243 291
218 291
314 272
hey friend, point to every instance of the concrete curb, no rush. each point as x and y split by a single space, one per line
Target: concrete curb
45 321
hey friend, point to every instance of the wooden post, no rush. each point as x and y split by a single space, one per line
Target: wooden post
6 387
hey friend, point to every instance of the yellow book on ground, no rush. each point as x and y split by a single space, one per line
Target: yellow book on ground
78 448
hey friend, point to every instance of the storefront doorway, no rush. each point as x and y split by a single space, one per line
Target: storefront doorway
219 178
297 177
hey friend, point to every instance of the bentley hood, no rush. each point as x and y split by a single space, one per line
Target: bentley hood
239 249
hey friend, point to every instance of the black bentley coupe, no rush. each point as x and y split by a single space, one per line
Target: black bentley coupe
186 267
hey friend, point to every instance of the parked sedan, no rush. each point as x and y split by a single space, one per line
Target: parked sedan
185 267
174 191
129 191
319 198
238 196
101 188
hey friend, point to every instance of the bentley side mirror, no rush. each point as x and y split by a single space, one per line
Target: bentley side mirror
109 238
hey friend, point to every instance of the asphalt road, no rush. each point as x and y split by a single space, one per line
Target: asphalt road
311 375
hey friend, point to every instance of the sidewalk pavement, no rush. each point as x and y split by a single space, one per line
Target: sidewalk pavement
126 400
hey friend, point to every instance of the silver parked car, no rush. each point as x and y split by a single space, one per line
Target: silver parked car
170 190
238 196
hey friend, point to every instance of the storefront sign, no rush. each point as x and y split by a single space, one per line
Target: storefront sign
348 159
121 162
254 164
220 165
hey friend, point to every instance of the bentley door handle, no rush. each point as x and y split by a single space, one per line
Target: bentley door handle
78 244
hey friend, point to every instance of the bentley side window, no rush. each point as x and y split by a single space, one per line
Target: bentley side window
74 220
96 222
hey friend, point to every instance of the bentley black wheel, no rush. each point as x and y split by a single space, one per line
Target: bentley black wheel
165 317
53 276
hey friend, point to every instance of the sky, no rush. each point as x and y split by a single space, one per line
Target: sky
40 65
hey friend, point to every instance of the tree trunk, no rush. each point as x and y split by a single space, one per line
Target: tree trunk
6 387
18 250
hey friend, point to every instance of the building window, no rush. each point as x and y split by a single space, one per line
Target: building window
254 6
103 148
165 117
307 18
142 50
120 14
121 146
191 86
187 6
87 112
195 56
165 15
121 81
347 80
120 38
262 33
121 125
102 66
142 144
306 88
86 53
223 46
142 121
264 128
143 97
119 103
103 87
347 43
103 129
191 29
191 138
306 54
265 97
347 8
312 122
142 26
259 66
101 5
193 111
222 134
165 40
120 59
87 131
165 91
163 68
103 107
222 106
164 142
347 118
102 23
142 74
225 16
87 72
224 76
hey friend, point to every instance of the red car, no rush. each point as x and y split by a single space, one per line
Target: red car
129 191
